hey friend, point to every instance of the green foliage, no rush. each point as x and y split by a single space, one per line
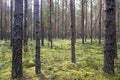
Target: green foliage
56 63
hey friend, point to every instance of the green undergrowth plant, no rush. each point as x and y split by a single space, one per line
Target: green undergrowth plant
56 63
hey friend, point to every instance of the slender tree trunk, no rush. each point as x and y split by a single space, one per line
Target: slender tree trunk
37 31
25 26
100 7
66 19
5 21
110 37
63 19
42 26
17 40
118 22
58 29
51 22
55 30
11 22
73 31
82 20
1 21
86 22
91 24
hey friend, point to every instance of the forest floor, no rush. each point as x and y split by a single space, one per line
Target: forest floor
56 62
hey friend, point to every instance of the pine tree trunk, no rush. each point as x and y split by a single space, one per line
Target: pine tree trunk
91 24
82 20
86 22
110 37
42 26
55 30
51 22
11 22
37 32
66 19
17 40
100 7
58 29
63 19
25 27
73 31
1 22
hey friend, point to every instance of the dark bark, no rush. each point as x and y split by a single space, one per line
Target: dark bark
55 30
25 26
42 26
5 21
66 19
51 22
86 22
118 22
58 29
11 22
100 7
1 23
63 19
110 37
17 40
82 20
37 31
91 24
73 31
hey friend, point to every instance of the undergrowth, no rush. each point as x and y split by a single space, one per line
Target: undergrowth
56 62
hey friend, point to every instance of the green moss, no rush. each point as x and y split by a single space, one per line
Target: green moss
56 63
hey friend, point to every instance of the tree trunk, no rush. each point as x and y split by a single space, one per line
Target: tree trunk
58 29
51 22
42 26
37 31
17 40
63 19
11 22
118 21
55 30
25 26
73 31
1 22
91 24
66 19
86 22
100 7
82 20
110 37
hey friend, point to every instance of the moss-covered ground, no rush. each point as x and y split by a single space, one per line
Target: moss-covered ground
56 63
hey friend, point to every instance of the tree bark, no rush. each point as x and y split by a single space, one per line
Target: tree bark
86 30
17 40
58 29
66 18
42 26
51 22
1 22
37 32
100 8
82 20
73 31
110 37
91 24
11 22
63 19
25 26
